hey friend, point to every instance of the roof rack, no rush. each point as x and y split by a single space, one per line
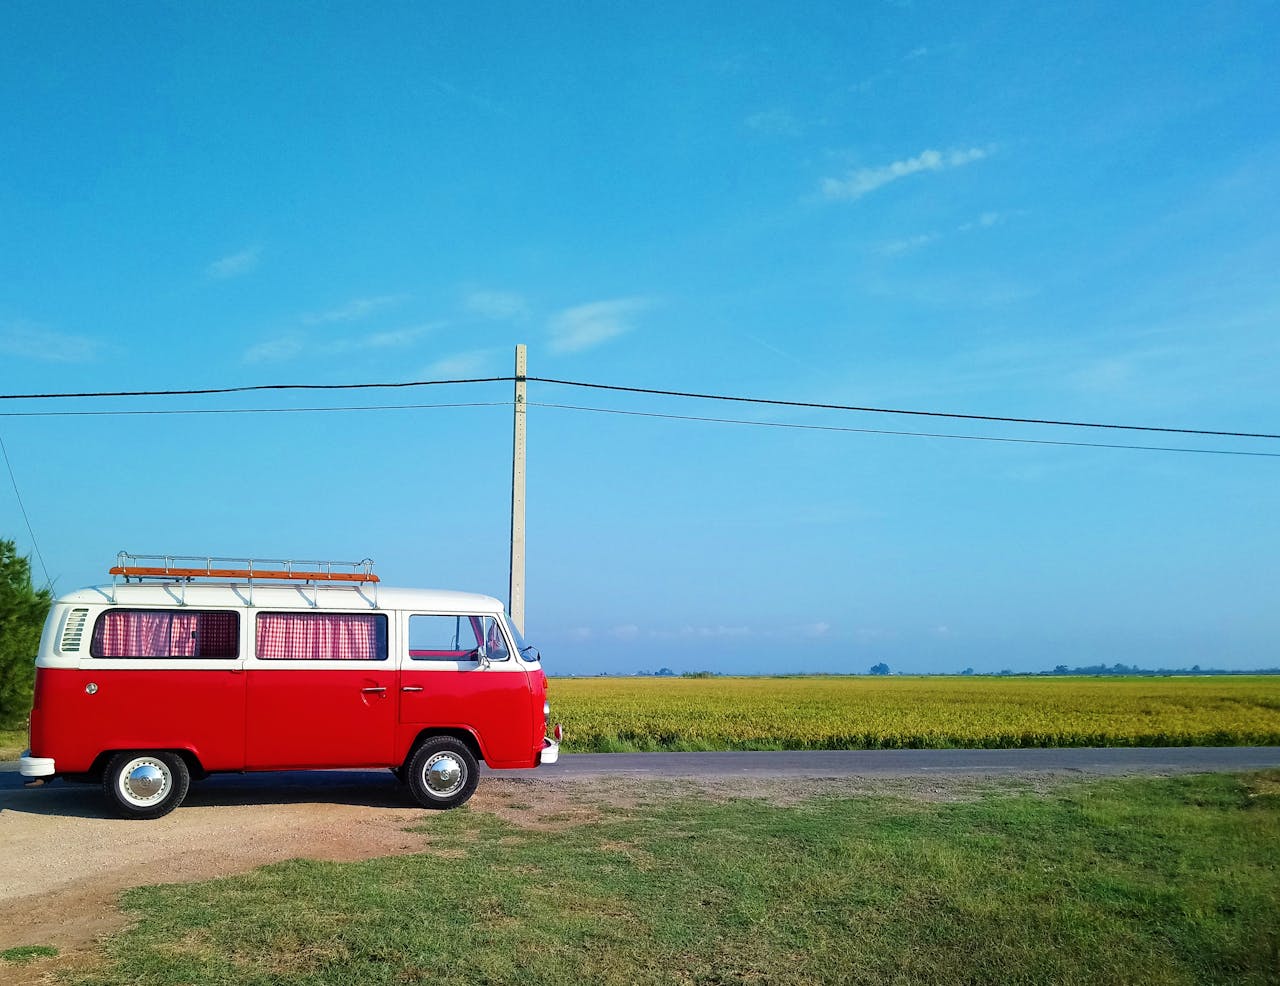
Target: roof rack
171 568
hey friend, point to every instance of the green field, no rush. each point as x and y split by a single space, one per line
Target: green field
1171 881
814 713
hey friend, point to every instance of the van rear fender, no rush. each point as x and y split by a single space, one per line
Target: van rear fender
94 773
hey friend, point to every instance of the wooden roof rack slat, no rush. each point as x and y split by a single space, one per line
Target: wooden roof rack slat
241 569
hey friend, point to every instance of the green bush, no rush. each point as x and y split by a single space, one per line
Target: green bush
22 612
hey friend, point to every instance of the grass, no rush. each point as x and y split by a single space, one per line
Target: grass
23 954
611 715
1171 881
12 743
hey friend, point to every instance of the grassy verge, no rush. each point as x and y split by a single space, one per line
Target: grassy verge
12 743
1169 881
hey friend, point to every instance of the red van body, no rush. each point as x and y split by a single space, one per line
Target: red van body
139 683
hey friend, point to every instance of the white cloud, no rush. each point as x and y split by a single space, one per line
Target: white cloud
276 350
460 364
234 265
819 629
714 631
395 339
628 631
27 340
775 123
293 345
497 305
984 221
865 180
586 326
355 309
897 247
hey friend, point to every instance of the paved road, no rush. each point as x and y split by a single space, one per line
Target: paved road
920 763
792 765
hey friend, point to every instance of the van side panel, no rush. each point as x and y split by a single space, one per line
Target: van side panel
181 709
309 717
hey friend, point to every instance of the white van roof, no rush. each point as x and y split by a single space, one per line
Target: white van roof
275 595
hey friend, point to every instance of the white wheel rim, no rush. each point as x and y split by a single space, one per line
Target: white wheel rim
444 775
144 782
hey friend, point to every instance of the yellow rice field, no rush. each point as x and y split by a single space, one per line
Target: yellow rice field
814 713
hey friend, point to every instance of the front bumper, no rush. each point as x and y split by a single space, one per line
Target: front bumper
550 751
30 766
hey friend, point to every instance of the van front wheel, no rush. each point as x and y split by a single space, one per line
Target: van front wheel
145 785
442 773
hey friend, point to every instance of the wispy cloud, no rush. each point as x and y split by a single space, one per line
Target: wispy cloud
394 339
355 309
497 305
294 345
586 326
863 181
895 248
461 364
775 123
234 264
276 350
28 340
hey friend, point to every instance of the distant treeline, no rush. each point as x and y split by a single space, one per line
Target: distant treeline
1125 669
1093 670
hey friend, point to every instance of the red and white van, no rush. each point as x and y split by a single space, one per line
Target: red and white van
179 669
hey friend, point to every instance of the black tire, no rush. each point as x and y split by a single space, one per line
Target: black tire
442 773
145 784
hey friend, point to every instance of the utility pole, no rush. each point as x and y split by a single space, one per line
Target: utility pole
515 604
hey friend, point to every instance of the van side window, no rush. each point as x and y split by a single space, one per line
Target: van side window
166 633
322 637
455 638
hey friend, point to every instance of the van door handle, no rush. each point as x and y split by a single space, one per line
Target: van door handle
411 688
368 691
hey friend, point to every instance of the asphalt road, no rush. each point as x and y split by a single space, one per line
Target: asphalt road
798 765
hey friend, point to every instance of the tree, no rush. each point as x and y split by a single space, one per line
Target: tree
880 668
22 613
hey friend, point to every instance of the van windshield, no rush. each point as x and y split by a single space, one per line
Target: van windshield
527 651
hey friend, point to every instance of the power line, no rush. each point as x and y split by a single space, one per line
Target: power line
34 544
255 387
913 434
772 402
244 410
889 410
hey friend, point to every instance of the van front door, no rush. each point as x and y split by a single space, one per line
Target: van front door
459 672
321 692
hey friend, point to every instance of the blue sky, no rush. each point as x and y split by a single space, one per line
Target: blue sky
1063 211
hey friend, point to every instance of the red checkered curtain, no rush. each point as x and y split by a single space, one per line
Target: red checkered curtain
319 637
218 635
165 633
131 633
183 640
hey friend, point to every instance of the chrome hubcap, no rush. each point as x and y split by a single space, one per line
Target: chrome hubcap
144 781
444 775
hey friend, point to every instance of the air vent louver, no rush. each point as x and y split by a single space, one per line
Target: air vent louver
73 630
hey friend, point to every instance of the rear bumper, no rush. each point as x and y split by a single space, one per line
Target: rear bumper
550 751
30 766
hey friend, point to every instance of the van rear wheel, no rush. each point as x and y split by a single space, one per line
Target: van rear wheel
143 784
442 773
